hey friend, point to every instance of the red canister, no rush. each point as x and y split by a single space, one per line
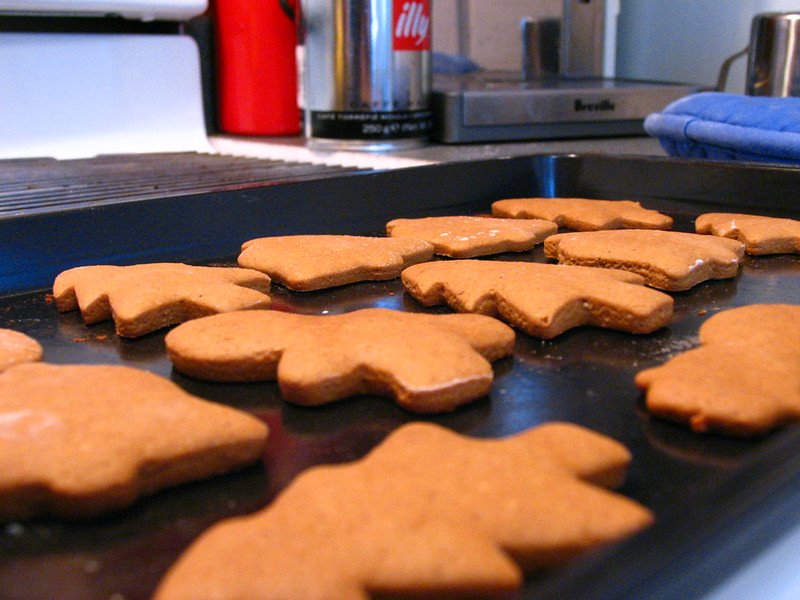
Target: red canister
257 70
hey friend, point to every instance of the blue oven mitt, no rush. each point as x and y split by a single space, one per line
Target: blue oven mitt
729 127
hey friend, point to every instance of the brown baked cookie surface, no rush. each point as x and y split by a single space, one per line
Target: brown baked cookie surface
543 300
467 237
744 378
668 260
428 513
760 235
144 298
314 262
583 214
16 348
77 441
427 363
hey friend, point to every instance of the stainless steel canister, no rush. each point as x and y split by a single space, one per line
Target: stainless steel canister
366 73
773 67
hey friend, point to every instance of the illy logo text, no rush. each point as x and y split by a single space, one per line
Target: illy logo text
603 105
411 25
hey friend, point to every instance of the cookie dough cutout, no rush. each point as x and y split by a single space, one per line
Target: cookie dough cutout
668 260
744 378
426 363
543 300
305 263
16 348
78 441
147 297
760 235
428 513
583 214
467 237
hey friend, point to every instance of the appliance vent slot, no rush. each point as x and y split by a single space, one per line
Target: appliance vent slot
30 186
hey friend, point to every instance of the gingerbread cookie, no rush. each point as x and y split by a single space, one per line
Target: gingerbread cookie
147 297
760 235
428 513
16 348
427 363
583 214
744 379
466 237
80 440
667 260
313 262
541 300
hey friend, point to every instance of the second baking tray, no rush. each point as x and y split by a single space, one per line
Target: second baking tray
717 500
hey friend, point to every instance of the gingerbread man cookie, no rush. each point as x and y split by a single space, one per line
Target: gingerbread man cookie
144 298
313 262
427 363
583 214
760 235
744 379
16 348
428 513
668 260
542 300
467 237
79 440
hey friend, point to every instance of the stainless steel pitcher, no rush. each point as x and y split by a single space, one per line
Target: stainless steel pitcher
773 67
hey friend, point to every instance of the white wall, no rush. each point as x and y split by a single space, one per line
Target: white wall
490 33
670 40
688 40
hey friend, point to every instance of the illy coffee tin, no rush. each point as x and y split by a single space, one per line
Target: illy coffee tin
366 73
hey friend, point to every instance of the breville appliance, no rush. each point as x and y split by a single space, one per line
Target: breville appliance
576 99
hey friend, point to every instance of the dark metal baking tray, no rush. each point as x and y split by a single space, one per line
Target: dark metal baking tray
717 500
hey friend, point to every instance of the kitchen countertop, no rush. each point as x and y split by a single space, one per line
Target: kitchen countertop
642 145
293 148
